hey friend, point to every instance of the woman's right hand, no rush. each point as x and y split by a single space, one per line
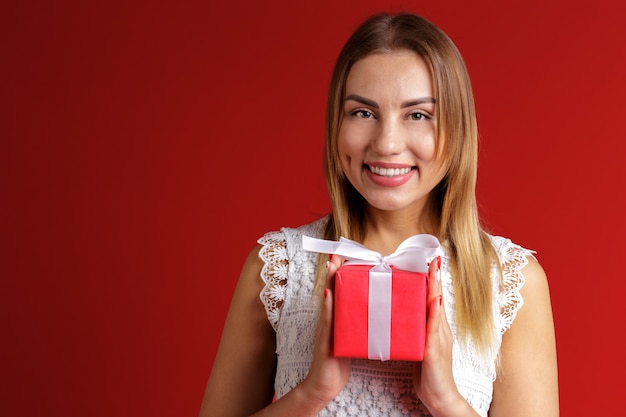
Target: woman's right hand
328 375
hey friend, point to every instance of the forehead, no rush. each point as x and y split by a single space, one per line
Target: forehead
401 72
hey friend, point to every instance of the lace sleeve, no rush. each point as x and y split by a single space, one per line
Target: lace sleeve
274 274
514 259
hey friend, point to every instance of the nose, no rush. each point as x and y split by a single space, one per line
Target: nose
388 138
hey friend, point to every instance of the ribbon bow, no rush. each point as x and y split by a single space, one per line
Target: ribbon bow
412 254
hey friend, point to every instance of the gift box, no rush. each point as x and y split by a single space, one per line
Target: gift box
379 315
380 301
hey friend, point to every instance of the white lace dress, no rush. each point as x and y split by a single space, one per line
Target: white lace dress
375 388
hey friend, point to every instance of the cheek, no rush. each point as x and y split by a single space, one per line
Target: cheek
423 144
351 143
346 149
344 158
438 166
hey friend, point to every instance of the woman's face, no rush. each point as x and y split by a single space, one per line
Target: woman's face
387 137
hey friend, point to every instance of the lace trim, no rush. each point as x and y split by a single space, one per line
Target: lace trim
274 274
514 259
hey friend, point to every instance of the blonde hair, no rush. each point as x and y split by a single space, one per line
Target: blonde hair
453 202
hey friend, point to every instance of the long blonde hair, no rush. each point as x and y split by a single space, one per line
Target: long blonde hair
453 200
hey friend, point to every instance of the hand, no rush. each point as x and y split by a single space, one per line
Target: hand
328 375
433 380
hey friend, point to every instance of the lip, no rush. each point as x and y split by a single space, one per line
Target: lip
391 181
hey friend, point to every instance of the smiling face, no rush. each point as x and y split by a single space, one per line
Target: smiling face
387 138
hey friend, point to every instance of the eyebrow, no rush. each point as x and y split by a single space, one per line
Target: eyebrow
372 103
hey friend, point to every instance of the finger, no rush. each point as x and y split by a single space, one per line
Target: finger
325 326
435 293
439 264
434 315
434 281
334 262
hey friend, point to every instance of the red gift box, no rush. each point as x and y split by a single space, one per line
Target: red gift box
380 300
380 315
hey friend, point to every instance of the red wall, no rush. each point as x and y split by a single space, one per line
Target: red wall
146 145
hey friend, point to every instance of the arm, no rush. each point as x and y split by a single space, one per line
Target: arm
527 382
241 382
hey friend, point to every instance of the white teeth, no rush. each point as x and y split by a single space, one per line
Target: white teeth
389 172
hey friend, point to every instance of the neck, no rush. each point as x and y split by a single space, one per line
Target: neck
385 230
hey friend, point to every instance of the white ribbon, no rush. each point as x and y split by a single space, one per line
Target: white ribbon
413 255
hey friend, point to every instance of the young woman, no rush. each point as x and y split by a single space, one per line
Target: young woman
400 160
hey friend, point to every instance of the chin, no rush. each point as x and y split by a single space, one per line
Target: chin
386 204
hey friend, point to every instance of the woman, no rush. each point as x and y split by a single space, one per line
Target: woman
400 160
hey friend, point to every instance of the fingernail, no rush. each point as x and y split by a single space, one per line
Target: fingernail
325 292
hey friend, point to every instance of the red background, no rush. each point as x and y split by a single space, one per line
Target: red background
146 145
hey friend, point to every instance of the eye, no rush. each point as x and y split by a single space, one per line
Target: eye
418 116
363 114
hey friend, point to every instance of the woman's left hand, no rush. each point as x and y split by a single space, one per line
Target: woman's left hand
433 380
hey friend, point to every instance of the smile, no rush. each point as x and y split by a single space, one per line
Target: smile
390 172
